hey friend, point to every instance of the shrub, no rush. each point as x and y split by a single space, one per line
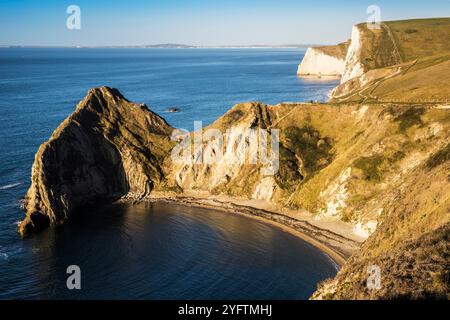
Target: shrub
370 167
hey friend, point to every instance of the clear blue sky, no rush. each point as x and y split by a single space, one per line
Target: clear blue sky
198 22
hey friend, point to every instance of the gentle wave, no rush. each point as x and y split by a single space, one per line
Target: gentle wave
9 186
9 251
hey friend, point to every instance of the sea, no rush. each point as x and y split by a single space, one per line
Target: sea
149 250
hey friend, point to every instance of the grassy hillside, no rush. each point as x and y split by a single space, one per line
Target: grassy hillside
407 62
376 159
405 168
337 161
411 243
420 38
376 156
422 81
377 47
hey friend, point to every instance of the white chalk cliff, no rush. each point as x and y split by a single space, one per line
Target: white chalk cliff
317 62
353 66
341 60
324 61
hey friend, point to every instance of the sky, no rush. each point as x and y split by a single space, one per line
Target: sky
198 22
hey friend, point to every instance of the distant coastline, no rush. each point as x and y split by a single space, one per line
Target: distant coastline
174 46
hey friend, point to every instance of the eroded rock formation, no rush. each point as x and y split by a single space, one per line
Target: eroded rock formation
109 147
380 167
324 61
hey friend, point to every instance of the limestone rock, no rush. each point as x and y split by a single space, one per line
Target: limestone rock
108 148
324 61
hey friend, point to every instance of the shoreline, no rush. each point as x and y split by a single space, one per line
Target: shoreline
336 246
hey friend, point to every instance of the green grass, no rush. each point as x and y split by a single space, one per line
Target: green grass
409 118
303 152
370 167
289 172
411 31
307 143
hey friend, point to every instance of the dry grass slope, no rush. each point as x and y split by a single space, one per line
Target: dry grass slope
408 62
337 51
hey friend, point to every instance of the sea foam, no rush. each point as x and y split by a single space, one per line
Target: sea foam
9 186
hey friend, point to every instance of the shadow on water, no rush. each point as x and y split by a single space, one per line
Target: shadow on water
168 251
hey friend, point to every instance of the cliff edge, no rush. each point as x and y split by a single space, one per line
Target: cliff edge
324 61
400 61
107 148
381 64
379 170
375 159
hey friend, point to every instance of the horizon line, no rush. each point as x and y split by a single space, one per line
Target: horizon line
166 46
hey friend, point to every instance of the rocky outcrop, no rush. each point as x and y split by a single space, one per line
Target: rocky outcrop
223 158
353 66
379 169
324 61
369 49
109 147
407 234
413 269
316 169
382 170
384 63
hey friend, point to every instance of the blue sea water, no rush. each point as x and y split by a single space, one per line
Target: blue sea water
40 87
